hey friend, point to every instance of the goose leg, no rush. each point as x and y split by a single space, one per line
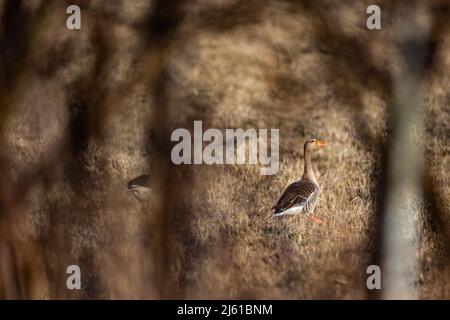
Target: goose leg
315 219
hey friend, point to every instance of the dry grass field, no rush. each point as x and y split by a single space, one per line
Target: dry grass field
83 112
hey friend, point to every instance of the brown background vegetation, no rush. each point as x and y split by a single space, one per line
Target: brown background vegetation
82 112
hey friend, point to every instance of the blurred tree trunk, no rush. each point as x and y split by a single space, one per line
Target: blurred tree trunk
400 217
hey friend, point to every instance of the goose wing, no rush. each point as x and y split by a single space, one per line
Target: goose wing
140 181
301 194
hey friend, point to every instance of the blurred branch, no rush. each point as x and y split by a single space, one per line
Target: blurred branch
163 23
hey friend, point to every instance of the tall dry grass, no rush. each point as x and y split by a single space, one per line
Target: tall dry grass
83 112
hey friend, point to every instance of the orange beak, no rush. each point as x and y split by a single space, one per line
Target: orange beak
321 143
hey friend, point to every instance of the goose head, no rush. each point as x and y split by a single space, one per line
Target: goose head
313 144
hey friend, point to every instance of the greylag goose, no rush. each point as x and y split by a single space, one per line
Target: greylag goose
140 187
301 196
